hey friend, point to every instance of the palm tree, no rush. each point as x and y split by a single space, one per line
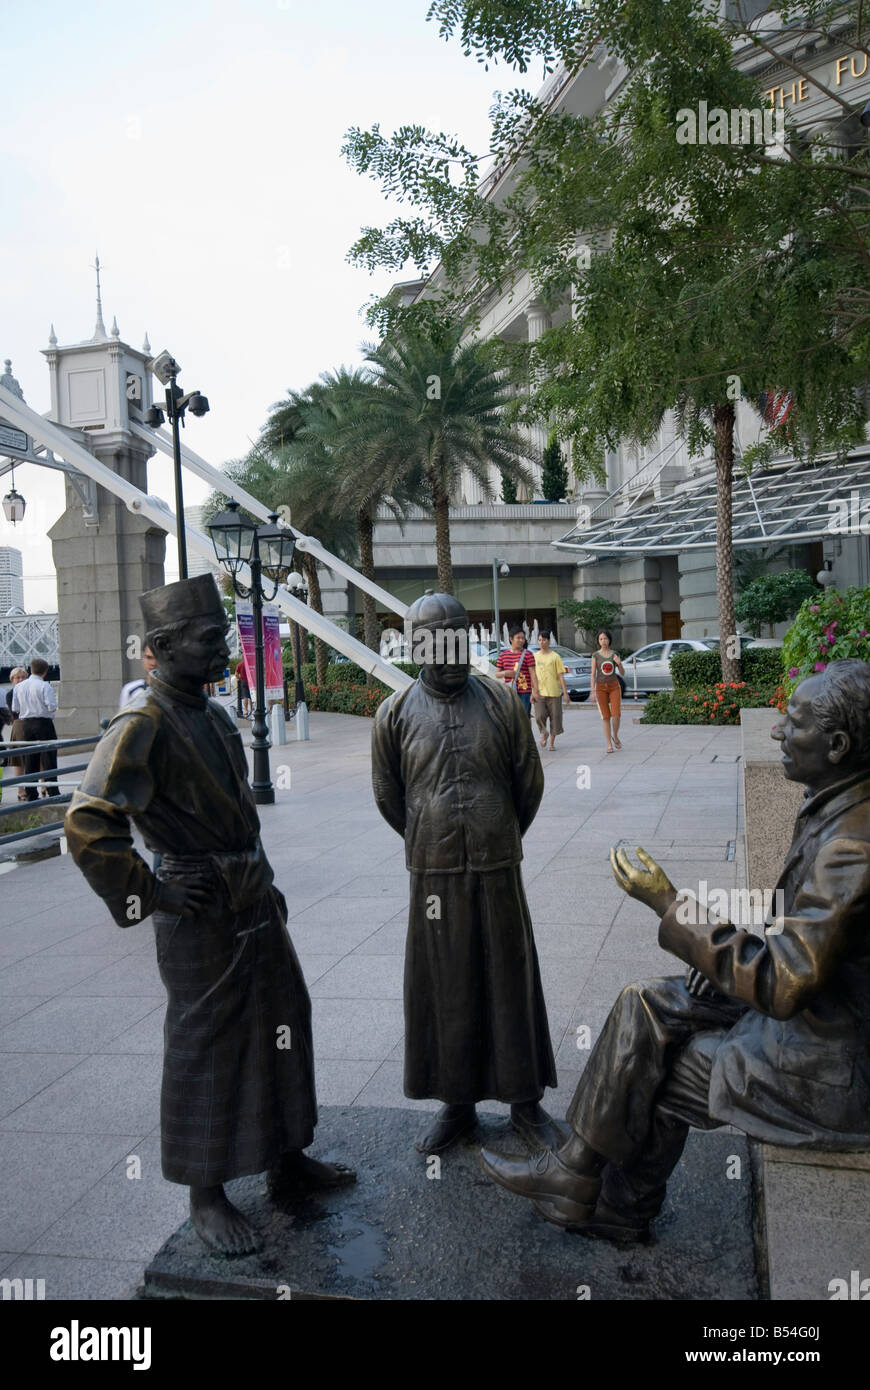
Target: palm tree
444 410
307 484
346 414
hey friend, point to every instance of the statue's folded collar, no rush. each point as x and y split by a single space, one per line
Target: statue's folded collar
171 692
814 801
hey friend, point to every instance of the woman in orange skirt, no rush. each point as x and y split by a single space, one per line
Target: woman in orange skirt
606 688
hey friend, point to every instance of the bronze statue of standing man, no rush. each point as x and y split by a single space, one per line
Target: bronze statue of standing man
238 1074
456 773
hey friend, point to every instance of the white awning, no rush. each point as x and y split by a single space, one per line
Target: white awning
788 503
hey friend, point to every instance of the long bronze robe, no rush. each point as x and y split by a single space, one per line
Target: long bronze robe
238 1076
460 778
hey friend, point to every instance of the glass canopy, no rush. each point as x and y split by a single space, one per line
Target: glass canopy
787 502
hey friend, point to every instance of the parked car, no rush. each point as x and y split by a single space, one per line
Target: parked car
653 662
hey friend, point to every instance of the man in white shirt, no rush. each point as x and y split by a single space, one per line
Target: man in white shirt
35 703
133 688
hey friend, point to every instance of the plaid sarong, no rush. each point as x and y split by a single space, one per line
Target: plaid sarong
233 1099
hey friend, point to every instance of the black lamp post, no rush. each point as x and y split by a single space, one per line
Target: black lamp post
166 369
267 550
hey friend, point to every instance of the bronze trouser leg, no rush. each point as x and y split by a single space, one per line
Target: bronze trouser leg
645 1083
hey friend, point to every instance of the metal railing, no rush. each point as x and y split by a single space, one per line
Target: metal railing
16 753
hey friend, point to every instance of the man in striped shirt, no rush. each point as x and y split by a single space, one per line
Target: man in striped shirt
517 667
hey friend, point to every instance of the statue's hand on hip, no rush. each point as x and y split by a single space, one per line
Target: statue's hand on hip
697 984
649 884
184 897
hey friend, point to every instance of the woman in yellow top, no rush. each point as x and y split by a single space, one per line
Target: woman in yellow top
605 687
548 705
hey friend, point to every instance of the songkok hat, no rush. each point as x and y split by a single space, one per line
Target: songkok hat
176 603
436 611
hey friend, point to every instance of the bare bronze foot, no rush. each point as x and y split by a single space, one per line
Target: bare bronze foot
451 1122
296 1173
219 1224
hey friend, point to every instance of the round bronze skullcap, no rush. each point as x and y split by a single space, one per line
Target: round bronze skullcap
436 611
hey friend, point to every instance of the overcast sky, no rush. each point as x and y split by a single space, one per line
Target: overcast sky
196 146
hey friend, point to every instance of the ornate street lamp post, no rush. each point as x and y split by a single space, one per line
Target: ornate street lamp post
166 369
266 550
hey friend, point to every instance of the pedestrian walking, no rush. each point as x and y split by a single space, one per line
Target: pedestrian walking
517 667
550 672
132 688
35 703
605 687
244 689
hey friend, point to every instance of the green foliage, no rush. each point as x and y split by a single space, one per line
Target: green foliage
772 598
720 703
347 699
345 673
508 490
828 627
554 474
710 272
590 615
762 666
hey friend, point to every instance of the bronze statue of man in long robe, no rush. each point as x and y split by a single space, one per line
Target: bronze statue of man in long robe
238 1074
456 772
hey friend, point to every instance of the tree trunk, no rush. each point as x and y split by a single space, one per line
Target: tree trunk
366 527
723 419
315 598
441 508
371 634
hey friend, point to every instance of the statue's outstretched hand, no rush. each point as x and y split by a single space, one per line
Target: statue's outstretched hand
649 884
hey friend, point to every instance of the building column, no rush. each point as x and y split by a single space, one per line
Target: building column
537 321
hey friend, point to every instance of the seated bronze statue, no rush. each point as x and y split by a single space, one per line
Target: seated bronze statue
768 1033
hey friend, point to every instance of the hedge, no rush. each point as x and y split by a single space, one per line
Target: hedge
693 670
720 703
346 699
348 673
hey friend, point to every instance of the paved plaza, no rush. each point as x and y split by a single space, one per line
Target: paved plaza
81 1002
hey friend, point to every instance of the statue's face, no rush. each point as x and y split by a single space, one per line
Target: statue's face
809 755
200 654
448 671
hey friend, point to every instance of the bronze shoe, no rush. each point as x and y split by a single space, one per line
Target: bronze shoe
560 1195
609 1223
445 1128
548 1134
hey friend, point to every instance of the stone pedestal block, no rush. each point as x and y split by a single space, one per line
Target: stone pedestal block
772 801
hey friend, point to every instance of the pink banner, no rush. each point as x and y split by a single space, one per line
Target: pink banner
271 648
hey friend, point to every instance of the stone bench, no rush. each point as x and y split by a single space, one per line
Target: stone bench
816 1203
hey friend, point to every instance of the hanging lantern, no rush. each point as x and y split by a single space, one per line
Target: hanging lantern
14 505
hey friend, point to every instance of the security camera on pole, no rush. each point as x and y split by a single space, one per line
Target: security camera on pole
499 567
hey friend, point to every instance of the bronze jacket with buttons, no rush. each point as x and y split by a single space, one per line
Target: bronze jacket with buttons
795 1068
459 776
